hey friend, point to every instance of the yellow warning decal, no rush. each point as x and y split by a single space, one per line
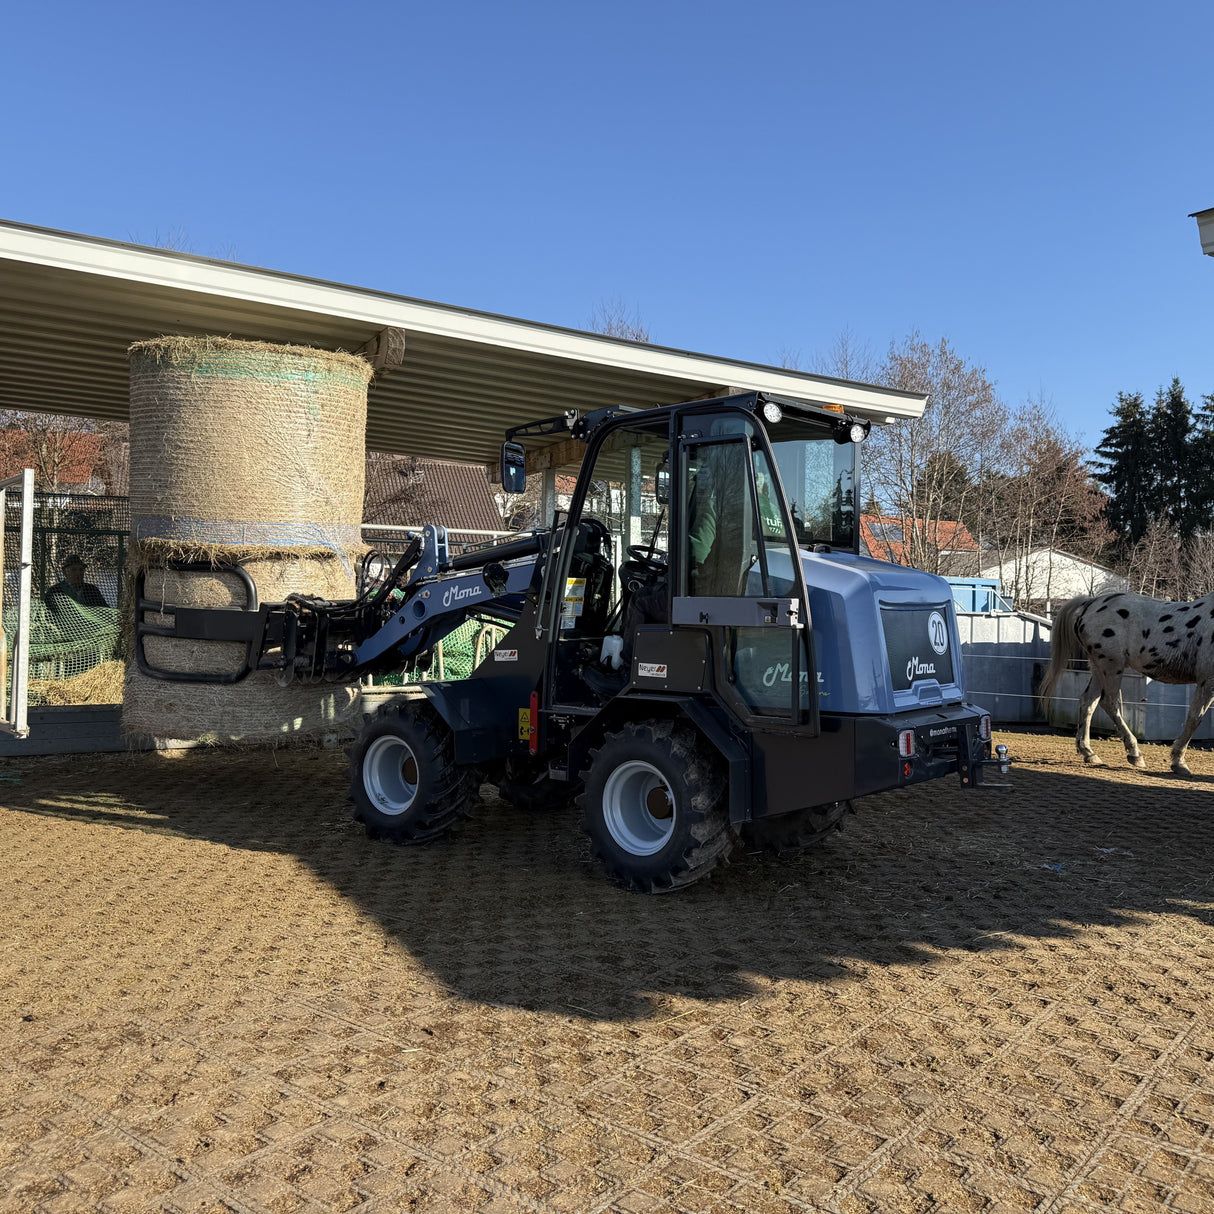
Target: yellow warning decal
524 724
573 602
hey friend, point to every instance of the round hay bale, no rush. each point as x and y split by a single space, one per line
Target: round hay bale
258 708
251 454
246 443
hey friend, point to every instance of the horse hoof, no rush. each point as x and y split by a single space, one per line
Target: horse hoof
1139 762
1093 760
1181 769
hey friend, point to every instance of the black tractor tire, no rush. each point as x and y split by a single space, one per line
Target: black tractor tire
798 830
404 782
655 807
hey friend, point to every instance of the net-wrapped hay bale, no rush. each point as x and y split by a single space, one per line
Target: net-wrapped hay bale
258 708
251 454
236 442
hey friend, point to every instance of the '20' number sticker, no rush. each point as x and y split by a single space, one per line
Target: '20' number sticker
937 632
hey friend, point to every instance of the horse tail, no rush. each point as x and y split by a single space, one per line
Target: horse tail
1064 646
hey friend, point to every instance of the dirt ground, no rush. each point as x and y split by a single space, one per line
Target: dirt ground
216 993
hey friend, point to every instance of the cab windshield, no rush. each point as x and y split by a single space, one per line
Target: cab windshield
819 477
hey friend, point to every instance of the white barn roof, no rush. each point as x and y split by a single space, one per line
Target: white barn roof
70 305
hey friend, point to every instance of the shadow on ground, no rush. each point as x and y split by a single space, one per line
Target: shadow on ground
511 911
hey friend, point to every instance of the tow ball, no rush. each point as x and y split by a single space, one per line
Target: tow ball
1000 761
972 770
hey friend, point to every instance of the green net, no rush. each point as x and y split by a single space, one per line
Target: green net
67 641
70 638
75 633
455 657
465 649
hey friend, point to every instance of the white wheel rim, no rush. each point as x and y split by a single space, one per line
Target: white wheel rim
390 775
638 808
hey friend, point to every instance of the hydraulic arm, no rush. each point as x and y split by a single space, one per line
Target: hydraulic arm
427 595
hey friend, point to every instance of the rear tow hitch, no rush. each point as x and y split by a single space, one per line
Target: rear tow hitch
972 775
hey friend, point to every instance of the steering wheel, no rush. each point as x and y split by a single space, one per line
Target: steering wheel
650 563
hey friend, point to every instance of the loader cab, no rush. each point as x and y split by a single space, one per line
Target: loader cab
679 572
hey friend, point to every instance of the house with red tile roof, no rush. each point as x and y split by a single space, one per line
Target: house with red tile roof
405 491
888 537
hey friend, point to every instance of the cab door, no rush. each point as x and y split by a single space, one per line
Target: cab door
611 561
739 573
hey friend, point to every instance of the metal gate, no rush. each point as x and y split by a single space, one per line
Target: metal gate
16 579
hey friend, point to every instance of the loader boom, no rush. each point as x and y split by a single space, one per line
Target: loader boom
427 596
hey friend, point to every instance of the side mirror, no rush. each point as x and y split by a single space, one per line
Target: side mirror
514 468
661 482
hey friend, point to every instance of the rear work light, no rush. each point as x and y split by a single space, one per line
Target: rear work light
984 727
906 743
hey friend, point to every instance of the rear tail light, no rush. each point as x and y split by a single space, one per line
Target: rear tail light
984 727
906 743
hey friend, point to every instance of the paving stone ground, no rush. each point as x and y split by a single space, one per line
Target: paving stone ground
216 993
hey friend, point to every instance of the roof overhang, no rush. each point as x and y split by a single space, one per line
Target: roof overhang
1205 229
70 306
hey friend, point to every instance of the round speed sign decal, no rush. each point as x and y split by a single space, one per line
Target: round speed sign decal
937 632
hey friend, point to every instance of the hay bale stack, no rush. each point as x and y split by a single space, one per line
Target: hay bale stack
251 454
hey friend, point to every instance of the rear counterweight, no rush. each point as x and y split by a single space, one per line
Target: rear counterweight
857 756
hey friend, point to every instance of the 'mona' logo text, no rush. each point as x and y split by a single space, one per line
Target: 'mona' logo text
916 669
456 593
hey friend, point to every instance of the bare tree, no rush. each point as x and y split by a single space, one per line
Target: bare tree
1038 499
174 238
1198 561
1154 563
1015 479
113 466
928 468
613 318
521 510
847 357
60 449
178 239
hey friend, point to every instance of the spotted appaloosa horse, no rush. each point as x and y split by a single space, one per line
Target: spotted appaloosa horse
1168 642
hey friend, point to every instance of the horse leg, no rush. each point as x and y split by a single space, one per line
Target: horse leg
1114 706
1083 734
1203 697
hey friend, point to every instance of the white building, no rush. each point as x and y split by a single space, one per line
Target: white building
1049 575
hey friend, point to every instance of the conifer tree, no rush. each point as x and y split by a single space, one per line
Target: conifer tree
1171 434
1201 467
1130 473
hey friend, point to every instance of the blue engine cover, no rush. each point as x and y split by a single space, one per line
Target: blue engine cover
885 636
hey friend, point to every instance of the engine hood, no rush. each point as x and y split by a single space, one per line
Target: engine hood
885 636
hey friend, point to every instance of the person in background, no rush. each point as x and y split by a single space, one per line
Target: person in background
74 587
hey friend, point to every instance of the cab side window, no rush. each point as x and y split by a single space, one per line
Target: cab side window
774 574
736 542
721 536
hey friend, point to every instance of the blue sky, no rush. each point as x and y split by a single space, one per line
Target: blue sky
752 179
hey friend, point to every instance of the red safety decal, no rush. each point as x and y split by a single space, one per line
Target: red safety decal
534 745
